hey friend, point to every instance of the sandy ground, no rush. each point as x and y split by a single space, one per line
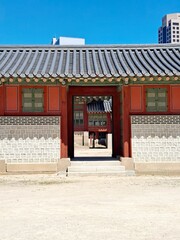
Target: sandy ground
53 207
82 151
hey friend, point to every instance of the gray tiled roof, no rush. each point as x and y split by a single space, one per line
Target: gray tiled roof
90 61
99 106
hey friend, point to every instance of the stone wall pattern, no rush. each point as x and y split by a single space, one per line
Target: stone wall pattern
156 138
30 139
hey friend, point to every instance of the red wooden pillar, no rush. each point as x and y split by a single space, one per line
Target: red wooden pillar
126 122
109 127
85 117
116 124
64 123
70 124
2 97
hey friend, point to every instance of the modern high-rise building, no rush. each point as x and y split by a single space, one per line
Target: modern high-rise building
169 32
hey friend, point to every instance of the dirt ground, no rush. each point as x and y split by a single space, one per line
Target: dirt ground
49 207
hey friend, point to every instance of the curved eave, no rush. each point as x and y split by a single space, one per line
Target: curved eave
90 62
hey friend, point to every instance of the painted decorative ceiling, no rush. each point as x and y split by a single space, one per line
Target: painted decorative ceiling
90 61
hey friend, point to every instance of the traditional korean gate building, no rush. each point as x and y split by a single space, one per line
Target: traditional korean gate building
37 86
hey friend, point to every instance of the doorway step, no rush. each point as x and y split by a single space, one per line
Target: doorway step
97 168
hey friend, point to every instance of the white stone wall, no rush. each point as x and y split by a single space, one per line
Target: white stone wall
156 138
30 139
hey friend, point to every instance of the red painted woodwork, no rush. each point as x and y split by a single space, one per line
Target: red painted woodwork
53 99
33 113
50 107
95 91
59 99
11 99
1 100
98 129
86 127
126 122
136 99
175 99
70 124
64 122
85 118
109 127
116 124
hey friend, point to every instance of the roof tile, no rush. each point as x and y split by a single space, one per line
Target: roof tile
90 61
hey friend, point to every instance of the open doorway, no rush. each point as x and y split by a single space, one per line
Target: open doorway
99 93
92 126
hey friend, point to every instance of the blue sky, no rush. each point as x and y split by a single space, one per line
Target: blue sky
98 21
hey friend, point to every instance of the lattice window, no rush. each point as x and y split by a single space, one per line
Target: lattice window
32 100
156 100
97 120
78 118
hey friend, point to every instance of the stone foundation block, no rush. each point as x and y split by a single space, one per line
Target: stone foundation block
34 167
2 166
171 168
128 163
63 164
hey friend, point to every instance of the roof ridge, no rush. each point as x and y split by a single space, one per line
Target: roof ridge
91 46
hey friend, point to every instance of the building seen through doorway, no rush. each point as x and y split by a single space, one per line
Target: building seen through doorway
93 122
